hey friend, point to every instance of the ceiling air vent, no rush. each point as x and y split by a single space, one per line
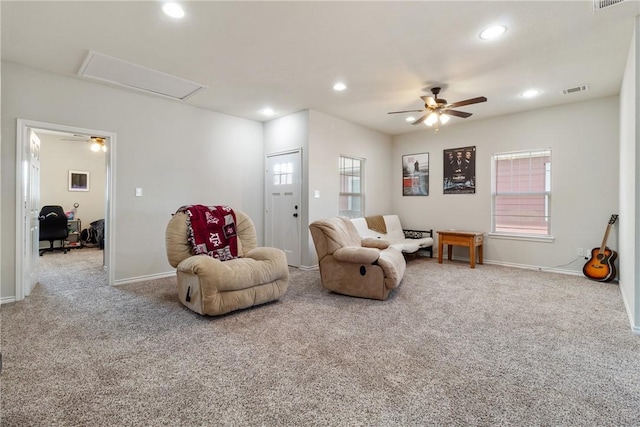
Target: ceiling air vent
575 89
123 73
601 4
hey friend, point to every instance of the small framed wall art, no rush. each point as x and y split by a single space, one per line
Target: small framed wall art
415 174
459 170
78 181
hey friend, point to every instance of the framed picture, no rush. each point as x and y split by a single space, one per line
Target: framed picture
459 171
78 181
415 174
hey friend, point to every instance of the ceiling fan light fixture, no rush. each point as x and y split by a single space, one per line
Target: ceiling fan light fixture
493 32
432 119
444 118
410 119
95 147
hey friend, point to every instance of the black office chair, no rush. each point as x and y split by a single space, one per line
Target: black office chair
53 226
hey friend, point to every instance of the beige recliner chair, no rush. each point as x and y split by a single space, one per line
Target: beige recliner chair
209 286
349 265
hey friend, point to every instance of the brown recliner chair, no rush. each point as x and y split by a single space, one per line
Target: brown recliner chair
349 265
209 286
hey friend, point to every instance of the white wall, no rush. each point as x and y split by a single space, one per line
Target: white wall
178 154
583 138
57 158
323 139
288 133
329 138
629 189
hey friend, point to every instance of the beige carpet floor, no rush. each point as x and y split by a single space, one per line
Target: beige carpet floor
451 346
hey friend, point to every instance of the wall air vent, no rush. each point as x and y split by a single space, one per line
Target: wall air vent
575 89
123 73
601 4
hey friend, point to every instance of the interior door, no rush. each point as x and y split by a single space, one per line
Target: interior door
283 210
32 210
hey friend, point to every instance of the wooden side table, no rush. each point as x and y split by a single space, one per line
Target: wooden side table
470 239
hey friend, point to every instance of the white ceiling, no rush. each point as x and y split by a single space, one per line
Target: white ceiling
287 55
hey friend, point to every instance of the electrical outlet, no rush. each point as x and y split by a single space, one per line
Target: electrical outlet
580 252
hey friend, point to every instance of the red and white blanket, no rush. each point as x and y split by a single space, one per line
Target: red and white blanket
212 231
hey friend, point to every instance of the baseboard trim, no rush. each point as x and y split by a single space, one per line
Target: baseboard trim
7 300
535 267
308 267
144 278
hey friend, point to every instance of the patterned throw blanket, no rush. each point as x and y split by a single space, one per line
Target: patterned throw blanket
212 231
376 223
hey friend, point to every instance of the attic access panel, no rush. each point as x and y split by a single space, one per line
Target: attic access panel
123 73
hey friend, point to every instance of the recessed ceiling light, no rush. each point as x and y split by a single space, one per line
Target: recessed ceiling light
339 86
530 93
493 32
267 111
174 10
410 119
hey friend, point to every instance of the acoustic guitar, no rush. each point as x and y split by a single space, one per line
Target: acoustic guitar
600 266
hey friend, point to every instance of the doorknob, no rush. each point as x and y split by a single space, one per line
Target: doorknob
295 215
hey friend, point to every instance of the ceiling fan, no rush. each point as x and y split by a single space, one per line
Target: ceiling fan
436 110
97 142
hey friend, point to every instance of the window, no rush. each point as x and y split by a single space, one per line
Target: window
351 194
283 173
521 193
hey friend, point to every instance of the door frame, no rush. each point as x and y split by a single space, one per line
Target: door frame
22 142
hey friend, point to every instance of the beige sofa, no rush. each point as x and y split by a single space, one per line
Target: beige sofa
209 286
408 241
352 266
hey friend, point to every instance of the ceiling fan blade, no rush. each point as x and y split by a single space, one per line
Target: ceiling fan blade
420 120
429 101
456 113
405 111
468 102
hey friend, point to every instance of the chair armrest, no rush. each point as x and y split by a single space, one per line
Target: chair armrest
417 234
370 242
265 253
275 256
357 255
203 265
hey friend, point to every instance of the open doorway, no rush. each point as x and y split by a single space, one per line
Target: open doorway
53 169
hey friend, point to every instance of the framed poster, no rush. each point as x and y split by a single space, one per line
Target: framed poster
415 174
78 181
459 170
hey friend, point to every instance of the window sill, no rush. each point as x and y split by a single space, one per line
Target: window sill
527 238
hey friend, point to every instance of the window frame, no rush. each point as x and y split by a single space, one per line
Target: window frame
547 192
361 194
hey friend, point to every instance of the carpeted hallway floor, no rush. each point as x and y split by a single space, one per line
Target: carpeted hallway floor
451 346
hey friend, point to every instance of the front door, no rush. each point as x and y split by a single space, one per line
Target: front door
283 209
